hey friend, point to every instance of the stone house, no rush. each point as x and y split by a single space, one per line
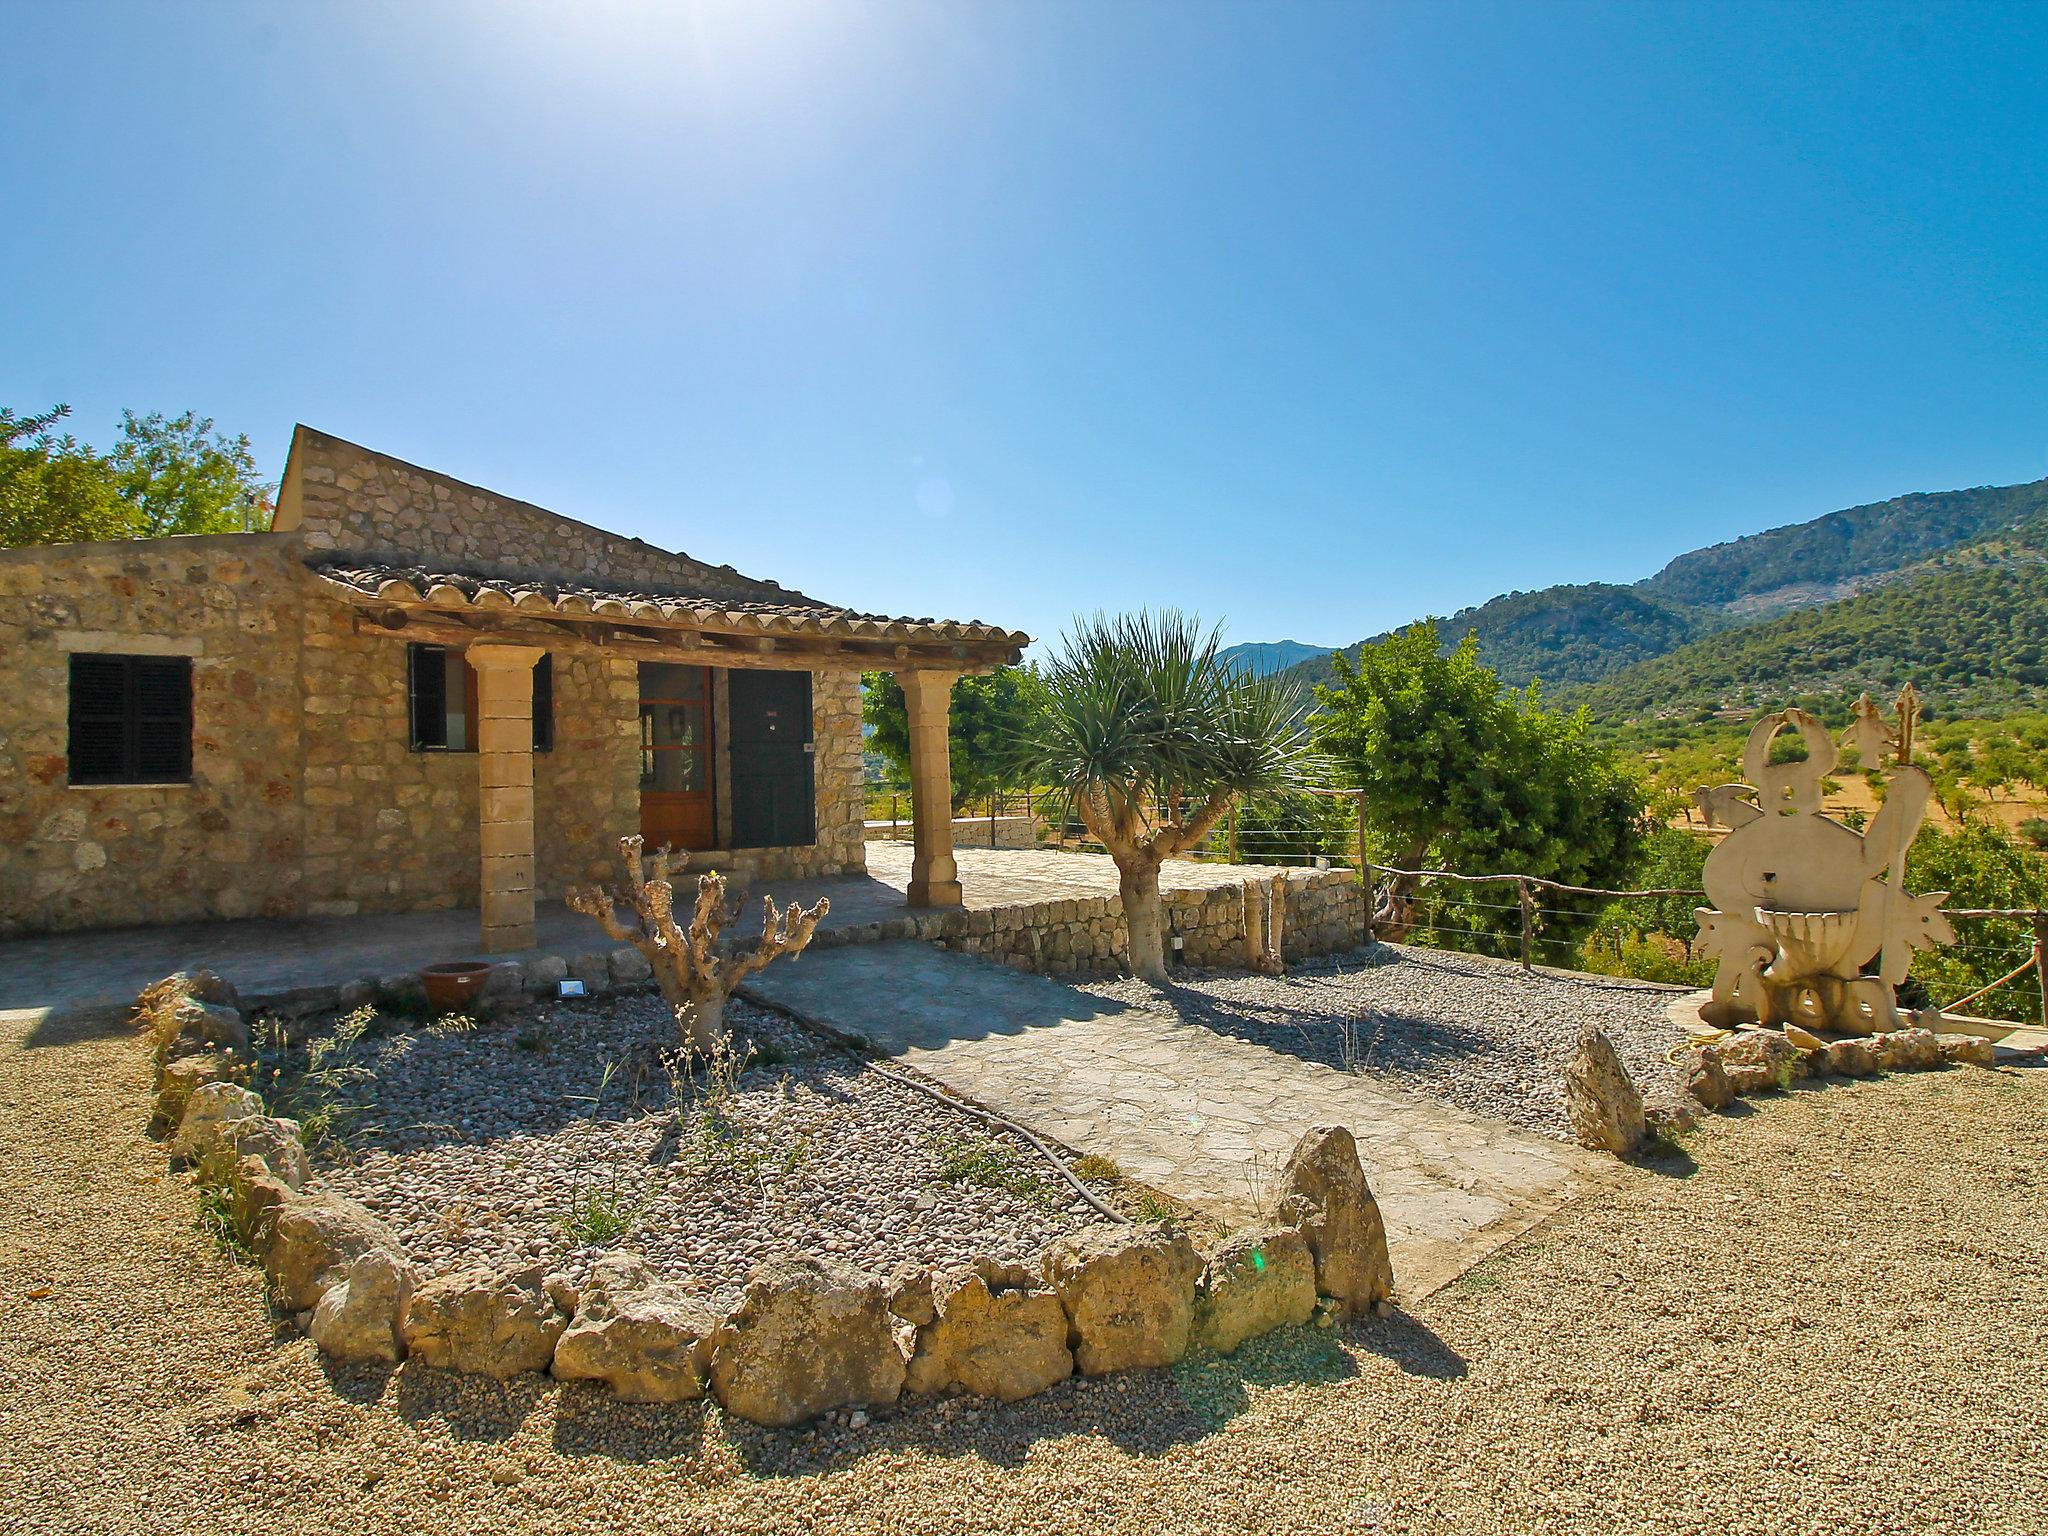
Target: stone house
415 693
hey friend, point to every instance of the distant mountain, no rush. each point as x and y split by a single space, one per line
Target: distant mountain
1969 628
1263 657
1843 550
1575 635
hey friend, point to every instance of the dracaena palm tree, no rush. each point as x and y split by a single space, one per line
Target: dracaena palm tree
1152 736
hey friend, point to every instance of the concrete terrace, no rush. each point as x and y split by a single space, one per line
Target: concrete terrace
103 968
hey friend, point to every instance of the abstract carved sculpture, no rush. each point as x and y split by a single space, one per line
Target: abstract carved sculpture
1801 903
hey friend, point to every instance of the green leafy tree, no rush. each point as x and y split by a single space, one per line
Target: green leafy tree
988 713
1979 865
54 489
181 476
1152 737
1460 773
164 476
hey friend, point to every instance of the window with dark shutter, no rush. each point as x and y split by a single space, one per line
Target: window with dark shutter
544 704
428 667
131 719
442 689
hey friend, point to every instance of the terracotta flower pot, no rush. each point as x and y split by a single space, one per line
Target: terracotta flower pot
453 984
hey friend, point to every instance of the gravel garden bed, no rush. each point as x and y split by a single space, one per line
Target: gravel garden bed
1475 1032
551 1135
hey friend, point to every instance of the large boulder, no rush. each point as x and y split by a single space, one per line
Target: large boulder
806 1337
1847 1058
1323 1191
216 1024
209 1110
272 1142
312 1241
1909 1050
1759 1060
1600 1099
992 1333
1129 1295
643 1339
485 1322
1255 1282
1706 1080
181 1077
358 1318
1968 1050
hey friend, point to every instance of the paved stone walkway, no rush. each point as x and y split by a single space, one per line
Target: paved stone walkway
1199 1116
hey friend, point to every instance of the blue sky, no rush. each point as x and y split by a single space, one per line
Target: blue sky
1310 318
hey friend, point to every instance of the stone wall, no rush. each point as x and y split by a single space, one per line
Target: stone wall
968 832
1087 936
306 796
225 845
340 496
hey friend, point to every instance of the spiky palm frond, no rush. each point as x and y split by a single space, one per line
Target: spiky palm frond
1141 710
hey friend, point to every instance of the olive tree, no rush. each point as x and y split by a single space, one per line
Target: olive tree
1151 736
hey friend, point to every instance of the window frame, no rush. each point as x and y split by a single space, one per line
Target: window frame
131 719
543 706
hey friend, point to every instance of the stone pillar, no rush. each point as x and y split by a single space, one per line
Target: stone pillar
504 740
934 876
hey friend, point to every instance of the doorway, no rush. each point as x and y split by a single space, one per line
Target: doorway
677 760
774 787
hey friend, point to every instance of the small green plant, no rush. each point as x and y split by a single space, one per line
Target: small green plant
1152 1208
1093 1169
993 1166
316 1083
601 1214
216 1218
1478 1281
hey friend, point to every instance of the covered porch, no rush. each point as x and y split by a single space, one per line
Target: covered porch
677 722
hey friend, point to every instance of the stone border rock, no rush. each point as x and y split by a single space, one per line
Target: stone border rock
1608 1115
807 1337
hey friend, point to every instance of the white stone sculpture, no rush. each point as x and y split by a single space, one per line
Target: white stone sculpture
1803 904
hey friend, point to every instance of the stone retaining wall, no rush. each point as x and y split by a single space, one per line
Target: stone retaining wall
968 832
807 1337
1086 935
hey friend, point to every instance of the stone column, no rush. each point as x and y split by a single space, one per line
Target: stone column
504 740
934 876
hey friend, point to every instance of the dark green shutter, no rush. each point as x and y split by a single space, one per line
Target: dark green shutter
428 667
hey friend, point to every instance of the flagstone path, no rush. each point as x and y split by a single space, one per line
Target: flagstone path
1202 1117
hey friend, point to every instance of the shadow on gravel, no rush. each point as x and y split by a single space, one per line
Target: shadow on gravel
74 1026
590 1421
1409 1343
1142 1413
471 1407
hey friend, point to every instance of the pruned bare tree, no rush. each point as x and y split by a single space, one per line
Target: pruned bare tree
699 966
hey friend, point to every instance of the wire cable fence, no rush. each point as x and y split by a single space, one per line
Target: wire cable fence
1999 960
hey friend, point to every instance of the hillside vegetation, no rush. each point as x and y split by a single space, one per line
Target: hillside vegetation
1969 628
1580 634
1856 543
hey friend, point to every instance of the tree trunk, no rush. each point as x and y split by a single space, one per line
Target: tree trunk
1145 921
703 1018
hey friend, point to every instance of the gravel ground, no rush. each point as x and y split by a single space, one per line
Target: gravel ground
1835 1323
1476 1032
484 1146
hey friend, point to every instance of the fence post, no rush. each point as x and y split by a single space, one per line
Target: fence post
1365 879
994 802
1528 917
2041 961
